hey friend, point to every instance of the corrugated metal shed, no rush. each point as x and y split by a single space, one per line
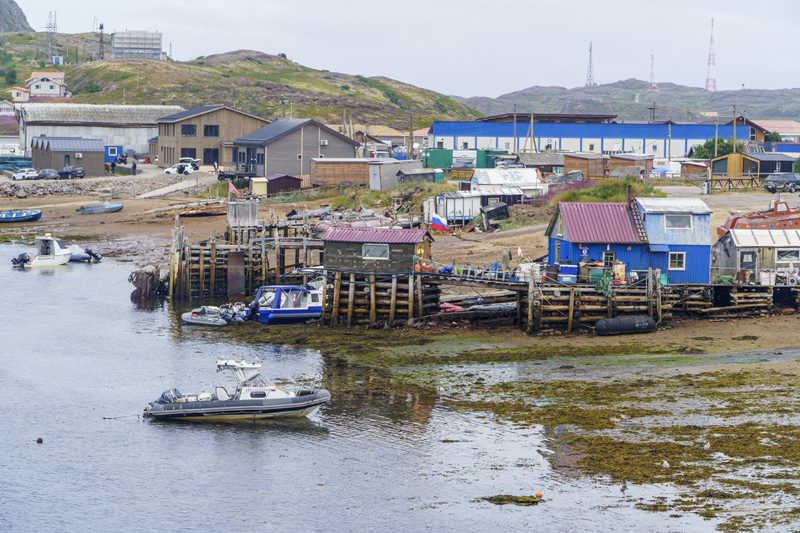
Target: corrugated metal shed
606 222
68 144
506 176
765 238
377 235
114 115
279 128
694 206
541 159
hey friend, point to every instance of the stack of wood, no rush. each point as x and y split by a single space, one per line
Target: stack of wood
743 301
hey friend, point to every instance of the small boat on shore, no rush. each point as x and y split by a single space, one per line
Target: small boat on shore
20 216
778 216
96 209
255 398
85 255
49 252
209 315
287 303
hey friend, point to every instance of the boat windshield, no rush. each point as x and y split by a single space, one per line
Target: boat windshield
267 295
257 381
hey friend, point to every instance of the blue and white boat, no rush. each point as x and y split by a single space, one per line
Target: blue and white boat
102 208
20 216
287 303
49 252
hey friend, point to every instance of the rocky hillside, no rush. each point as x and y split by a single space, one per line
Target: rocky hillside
12 17
631 100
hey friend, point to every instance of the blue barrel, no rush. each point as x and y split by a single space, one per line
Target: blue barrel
625 325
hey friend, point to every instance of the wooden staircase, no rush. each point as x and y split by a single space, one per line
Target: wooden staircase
637 221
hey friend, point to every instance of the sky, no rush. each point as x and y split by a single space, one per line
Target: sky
469 47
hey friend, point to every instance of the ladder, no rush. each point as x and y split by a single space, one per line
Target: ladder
637 221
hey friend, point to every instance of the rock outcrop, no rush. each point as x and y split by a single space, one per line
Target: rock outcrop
12 18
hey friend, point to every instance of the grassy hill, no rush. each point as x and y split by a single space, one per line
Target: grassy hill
630 99
249 80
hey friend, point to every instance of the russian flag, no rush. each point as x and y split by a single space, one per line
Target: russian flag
438 223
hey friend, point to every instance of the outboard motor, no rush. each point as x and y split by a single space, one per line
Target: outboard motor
90 253
21 259
254 307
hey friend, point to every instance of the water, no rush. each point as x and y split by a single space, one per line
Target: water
76 351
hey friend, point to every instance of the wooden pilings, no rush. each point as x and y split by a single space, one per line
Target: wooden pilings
373 298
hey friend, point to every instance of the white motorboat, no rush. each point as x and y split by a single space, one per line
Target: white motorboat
255 397
49 252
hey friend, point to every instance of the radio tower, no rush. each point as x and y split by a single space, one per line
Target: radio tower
102 53
653 86
590 71
711 82
52 30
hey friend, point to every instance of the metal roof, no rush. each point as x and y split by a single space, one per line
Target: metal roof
360 160
605 222
511 191
765 238
587 156
769 157
94 114
788 127
376 235
203 109
632 157
530 159
277 176
68 144
694 206
279 128
506 176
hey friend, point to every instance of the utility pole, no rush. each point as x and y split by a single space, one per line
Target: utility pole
410 155
669 142
516 142
716 134
734 128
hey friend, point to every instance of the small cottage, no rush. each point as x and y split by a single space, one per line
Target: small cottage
375 250
59 152
755 255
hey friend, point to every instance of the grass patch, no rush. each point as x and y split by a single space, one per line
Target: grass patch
609 190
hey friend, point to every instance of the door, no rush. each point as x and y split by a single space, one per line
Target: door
747 261
251 159
66 160
210 156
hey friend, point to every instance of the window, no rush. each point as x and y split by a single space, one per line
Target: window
591 148
52 86
440 144
189 152
677 260
464 146
38 87
211 131
259 159
508 147
787 256
299 156
188 130
608 260
678 221
560 226
655 148
493 200
375 251
112 150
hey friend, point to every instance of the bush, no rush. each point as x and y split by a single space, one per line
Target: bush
608 190
92 87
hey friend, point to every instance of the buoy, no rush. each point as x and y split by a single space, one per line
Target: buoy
539 495
39 440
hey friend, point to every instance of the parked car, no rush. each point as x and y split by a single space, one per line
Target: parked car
782 181
47 174
25 174
71 171
180 168
194 163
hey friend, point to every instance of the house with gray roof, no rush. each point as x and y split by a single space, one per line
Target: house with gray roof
287 146
205 132
129 126
59 152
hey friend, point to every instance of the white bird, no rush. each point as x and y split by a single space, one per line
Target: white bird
665 464
519 251
707 445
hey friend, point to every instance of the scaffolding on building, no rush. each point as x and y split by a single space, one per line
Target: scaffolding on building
141 44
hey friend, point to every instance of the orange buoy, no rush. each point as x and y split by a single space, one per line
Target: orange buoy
39 440
539 495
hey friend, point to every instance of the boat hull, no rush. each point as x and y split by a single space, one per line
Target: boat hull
96 209
203 321
235 410
20 216
49 260
285 316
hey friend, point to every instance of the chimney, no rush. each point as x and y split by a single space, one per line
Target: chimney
629 196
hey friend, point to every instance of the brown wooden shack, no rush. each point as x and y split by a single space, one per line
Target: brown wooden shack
343 170
592 165
375 250
631 160
59 152
274 184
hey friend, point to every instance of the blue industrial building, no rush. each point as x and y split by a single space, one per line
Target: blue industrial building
673 235
659 139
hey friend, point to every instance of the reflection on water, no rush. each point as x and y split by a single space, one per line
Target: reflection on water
81 361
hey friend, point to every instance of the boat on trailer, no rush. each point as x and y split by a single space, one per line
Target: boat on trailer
256 397
20 216
49 252
287 303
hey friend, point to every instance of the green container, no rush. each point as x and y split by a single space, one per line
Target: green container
596 274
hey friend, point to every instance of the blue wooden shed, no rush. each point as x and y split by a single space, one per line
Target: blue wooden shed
679 233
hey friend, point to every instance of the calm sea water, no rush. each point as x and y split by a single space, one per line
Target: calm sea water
80 362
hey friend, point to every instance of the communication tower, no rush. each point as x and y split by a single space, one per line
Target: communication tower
101 53
52 30
590 71
653 86
711 81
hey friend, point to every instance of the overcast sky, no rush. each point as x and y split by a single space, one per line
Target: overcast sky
469 47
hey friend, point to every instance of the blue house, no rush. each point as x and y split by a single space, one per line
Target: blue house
679 233
670 234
